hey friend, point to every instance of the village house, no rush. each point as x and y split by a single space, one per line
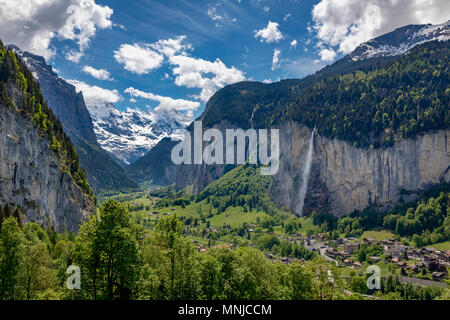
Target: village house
438 276
348 262
396 250
351 247
369 241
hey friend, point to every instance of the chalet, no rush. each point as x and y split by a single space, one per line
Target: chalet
420 265
357 264
394 260
387 241
348 262
396 250
375 259
369 241
438 275
413 268
269 256
351 247
331 252
401 264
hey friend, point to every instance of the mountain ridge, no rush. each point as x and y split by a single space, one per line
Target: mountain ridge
103 171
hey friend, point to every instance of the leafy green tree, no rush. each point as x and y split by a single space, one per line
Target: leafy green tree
11 256
301 282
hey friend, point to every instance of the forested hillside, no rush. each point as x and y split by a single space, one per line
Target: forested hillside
381 106
14 76
370 103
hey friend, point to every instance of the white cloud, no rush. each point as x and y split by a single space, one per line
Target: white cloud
198 73
209 76
100 74
266 8
286 17
344 24
194 72
166 103
94 95
276 59
269 33
170 47
138 59
33 24
294 43
327 54
267 81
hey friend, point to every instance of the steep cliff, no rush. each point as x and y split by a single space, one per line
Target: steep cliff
344 178
39 167
103 170
31 176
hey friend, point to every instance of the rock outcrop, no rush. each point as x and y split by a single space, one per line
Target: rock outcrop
32 178
345 178
103 171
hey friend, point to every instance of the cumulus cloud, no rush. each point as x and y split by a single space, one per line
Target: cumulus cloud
294 43
344 24
270 33
276 59
327 54
138 59
100 74
165 103
170 47
199 73
33 24
94 95
188 71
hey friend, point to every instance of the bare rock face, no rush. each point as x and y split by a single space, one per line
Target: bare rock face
344 178
32 178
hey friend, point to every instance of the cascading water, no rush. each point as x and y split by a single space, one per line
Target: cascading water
306 172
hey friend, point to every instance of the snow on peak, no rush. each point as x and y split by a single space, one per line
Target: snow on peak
130 134
401 40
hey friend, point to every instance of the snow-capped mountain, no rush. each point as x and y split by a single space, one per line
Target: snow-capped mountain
401 40
130 134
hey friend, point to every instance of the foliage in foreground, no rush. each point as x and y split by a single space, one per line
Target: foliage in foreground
120 260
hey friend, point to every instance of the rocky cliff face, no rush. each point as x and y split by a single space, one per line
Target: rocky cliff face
345 178
103 171
31 176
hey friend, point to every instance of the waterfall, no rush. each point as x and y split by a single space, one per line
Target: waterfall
306 172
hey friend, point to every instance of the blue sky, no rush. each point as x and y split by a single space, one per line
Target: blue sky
222 30
176 54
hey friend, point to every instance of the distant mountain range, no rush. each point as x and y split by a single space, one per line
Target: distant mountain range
130 134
